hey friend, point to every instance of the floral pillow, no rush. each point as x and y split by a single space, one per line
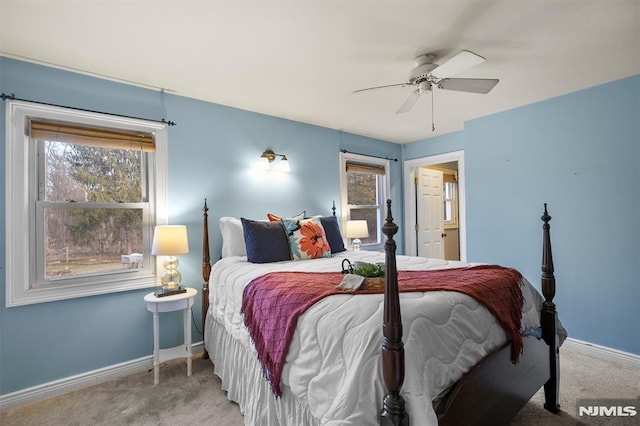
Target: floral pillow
307 238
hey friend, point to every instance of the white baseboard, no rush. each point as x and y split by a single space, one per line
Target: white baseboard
79 381
602 352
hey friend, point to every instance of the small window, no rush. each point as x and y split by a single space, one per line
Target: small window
365 189
450 199
95 187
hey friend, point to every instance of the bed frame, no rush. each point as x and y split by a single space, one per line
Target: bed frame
495 389
206 269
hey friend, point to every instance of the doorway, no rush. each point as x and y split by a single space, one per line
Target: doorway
454 232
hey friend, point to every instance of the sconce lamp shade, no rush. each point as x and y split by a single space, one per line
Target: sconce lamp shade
357 229
170 240
284 164
264 163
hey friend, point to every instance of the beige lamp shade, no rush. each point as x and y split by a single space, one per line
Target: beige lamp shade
356 229
170 240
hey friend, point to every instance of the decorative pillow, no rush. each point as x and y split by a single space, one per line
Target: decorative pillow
232 237
332 231
275 218
265 241
307 238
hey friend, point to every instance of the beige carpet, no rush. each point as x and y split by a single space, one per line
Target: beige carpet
198 400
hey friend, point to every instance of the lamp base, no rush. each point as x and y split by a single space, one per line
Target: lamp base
355 244
172 285
163 291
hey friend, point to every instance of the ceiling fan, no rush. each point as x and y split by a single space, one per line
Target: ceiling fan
427 73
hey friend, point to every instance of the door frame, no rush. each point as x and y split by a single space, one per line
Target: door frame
409 167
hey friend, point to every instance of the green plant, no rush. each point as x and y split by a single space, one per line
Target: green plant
369 270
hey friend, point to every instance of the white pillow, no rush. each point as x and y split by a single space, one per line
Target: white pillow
232 237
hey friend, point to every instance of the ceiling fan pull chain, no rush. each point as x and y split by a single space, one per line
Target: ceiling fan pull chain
433 124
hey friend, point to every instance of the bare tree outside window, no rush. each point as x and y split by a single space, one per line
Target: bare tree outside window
89 197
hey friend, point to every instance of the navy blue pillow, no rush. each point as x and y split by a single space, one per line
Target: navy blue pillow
332 231
266 241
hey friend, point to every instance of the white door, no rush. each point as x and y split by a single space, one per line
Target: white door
429 213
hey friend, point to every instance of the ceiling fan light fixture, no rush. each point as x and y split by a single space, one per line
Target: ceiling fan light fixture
424 86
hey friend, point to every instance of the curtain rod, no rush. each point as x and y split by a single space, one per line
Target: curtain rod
344 151
4 97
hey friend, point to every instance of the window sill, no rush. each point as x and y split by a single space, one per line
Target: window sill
29 296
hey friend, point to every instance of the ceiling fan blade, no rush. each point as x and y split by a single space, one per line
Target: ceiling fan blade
381 87
460 62
472 85
410 102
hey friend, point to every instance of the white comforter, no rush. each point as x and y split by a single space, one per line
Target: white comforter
333 365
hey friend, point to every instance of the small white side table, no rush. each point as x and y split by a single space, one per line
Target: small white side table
182 301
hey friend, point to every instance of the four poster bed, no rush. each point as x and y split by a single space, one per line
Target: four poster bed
312 354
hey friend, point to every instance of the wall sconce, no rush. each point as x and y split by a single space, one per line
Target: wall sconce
269 156
356 229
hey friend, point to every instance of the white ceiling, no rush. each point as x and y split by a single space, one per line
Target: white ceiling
302 59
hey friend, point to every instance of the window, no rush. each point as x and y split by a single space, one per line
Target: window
364 183
450 199
84 191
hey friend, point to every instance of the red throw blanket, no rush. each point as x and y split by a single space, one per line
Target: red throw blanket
272 303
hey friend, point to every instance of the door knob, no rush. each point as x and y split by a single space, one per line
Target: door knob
444 234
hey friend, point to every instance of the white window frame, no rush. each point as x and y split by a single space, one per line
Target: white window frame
453 223
344 215
20 287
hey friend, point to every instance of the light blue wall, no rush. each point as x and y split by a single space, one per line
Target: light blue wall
579 153
212 152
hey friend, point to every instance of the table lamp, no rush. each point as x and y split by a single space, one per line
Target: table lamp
356 229
170 240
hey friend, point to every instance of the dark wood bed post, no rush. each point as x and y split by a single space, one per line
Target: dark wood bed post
549 319
393 410
206 270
